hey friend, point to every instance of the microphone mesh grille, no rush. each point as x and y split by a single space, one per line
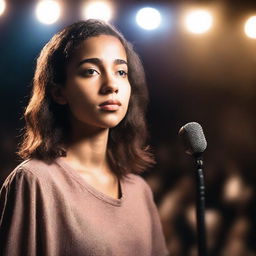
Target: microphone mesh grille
194 139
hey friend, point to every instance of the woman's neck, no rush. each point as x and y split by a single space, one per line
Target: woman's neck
87 154
87 150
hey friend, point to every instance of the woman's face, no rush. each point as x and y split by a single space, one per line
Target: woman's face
97 89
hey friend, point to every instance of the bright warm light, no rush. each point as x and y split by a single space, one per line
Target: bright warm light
97 10
48 11
2 6
199 21
148 18
250 27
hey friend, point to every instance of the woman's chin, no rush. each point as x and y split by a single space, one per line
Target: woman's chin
111 122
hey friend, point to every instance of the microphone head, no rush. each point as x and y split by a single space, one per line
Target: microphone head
193 138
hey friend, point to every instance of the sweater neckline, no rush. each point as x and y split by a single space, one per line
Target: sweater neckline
95 192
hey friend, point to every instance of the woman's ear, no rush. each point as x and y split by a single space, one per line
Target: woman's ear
58 95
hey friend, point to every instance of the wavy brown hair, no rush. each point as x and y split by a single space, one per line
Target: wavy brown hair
47 123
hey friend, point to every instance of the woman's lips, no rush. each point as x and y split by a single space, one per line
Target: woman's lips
110 105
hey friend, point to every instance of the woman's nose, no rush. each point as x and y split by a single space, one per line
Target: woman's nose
109 84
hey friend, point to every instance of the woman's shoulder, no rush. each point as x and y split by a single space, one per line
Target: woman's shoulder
137 182
30 170
35 166
135 179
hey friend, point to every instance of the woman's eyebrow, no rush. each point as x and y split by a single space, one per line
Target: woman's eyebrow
91 60
120 61
97 61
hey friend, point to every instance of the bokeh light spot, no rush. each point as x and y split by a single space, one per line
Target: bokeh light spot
250 27
198 21
97 10
2 6
48 11
148 18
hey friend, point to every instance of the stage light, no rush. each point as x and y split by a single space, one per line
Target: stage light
97 10
2 6
198 21
48 11
148 18
250 27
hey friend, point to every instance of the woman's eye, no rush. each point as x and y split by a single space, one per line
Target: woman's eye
90 72
122 73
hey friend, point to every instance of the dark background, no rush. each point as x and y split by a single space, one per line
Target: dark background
207 78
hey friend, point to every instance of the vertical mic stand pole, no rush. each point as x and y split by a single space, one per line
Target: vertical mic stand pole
200 208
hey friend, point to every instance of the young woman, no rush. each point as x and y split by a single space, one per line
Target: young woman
77 192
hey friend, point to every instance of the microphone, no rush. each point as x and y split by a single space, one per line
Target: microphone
193 139
195 144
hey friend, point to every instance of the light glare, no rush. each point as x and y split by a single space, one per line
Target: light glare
250 27
97 10
148 18
48 11
199 21
2 6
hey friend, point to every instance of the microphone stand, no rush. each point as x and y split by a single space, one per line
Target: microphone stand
200 207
